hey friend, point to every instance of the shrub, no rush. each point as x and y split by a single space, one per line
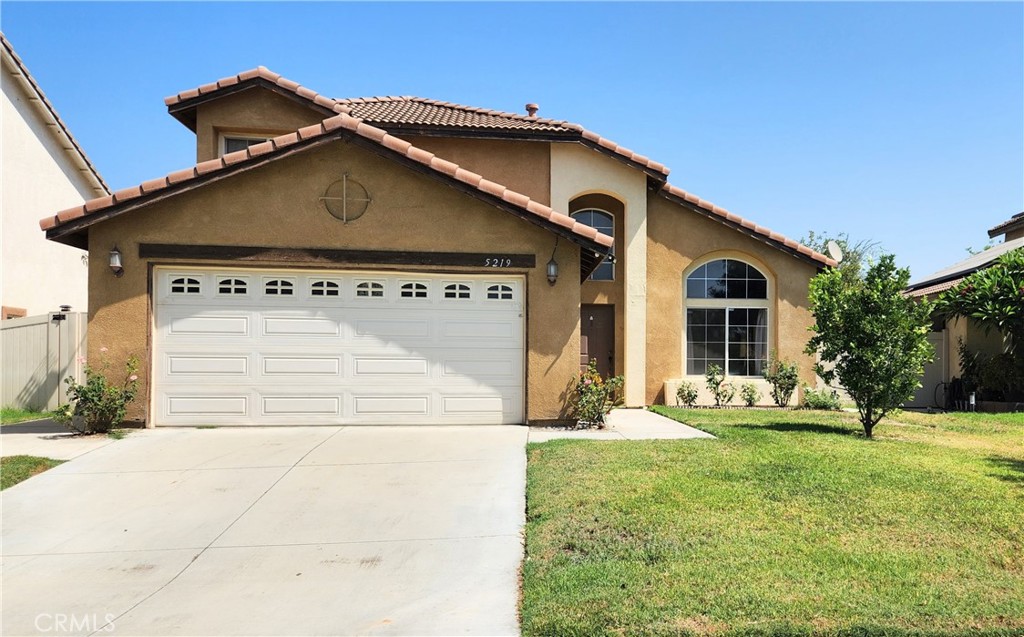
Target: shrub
99 404
595 397
722 391
686 394
749 394
783 377
826 399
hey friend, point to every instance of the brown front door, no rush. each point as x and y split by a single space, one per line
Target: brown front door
597 337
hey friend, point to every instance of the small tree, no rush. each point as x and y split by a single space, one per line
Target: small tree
723 392
783 377
875 337
993 298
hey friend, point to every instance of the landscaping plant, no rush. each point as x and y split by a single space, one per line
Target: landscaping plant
595 397
875 337
783 377
749 394
993 298
826 399
722 391
686 394
99 404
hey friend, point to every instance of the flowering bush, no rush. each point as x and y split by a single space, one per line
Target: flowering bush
99 405
686 394
750 394
595 397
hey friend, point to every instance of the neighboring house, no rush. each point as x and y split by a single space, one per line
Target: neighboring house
405 260
43 169
946 335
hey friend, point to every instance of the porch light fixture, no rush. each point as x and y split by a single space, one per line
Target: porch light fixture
115 262
553 265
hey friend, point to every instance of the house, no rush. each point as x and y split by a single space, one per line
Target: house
946 335
408 260
42 169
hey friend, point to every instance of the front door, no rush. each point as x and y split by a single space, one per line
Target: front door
597 337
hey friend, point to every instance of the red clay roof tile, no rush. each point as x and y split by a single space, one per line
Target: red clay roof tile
153 185
181 175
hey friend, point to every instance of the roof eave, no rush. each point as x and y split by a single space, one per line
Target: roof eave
185 110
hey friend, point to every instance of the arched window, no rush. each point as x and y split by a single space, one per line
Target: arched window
604 223
726 318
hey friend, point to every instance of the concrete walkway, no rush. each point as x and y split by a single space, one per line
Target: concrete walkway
624 424
47 439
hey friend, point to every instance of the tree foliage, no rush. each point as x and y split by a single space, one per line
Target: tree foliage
993 298
857 255
874 337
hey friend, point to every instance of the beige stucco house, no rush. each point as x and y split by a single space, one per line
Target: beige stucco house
947 334
42 169
405 260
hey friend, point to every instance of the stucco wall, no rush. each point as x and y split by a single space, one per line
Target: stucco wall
38 179
577 170
277 205
256 111
680 237
521 166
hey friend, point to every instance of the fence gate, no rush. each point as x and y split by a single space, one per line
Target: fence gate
36 354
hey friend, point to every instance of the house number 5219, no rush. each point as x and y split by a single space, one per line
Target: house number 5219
498 262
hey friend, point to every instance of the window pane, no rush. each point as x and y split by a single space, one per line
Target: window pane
716 269
716 350
737 368
736 289
737 316
697 317
716 317
716 289
736 269
696 333
695 289
700 273
697 367
604 272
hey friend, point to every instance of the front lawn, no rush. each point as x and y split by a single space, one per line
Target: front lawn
12 415
790 523
15 469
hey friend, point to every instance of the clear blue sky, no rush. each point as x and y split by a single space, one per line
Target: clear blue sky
899 123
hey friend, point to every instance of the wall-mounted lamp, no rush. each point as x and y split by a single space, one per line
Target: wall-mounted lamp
553 265
115 262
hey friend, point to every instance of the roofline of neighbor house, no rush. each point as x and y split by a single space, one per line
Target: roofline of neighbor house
54 123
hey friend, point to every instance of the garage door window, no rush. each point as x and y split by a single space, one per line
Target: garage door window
370 289
499 292
232 286
414 290
323 288
279 287
185 285
456 291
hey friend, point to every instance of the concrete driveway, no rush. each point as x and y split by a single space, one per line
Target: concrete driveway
273 531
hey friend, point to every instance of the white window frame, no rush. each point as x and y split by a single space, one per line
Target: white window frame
766 303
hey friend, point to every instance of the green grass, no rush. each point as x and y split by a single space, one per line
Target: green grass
11 415
791 523
117 434
15 469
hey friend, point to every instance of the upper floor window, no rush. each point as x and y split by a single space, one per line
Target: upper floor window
604 223
233 143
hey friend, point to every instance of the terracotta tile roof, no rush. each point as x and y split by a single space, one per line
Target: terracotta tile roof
935 289
63 133
1012 223
340 122
744 225
258 73
418 110
409 110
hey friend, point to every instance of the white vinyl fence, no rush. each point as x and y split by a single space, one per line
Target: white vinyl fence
36 354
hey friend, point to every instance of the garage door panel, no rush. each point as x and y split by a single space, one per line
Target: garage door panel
337 359
302 365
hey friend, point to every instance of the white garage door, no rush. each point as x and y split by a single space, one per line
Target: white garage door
297 347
